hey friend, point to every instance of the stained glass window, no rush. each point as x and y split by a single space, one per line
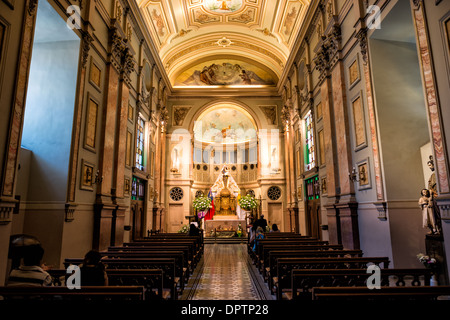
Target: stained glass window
312 188
140 144
310 155
137 189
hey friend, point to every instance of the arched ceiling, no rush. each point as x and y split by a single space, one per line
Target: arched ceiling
195 37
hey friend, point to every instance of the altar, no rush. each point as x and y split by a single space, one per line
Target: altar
225 223
225 228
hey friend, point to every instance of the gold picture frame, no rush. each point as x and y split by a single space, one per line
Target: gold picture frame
95 75
129 148
359 122
300 192
319 111
87 176
90 125
127 187
363 171
354 74
130 113
320 138
323 185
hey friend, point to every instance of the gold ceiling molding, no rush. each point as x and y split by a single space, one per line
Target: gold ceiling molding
186 60
234 42
198 13
263 30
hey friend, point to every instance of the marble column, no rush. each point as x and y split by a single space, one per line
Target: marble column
106 161
105 206
334 229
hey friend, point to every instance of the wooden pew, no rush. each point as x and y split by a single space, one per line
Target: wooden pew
304 280
382 294
257 255
171 279
150 279
174 236
180 260
154 248
267 248
195 252
63 293
282 280
274 255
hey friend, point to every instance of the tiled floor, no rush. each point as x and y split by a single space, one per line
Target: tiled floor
226 273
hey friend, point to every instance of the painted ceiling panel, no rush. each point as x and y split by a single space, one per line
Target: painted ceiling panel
189 32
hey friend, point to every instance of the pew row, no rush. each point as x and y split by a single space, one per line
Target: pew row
304 280
383 294
171 277
93 293
282 280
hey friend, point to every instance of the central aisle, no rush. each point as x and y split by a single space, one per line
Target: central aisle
226 273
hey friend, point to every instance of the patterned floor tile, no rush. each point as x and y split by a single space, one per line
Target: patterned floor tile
226 273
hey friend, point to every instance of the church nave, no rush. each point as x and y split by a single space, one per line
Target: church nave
226 273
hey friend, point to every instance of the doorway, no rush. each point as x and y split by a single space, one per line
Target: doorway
313 218
138 207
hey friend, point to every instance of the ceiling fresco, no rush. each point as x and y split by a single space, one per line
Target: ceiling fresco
225 72
225 124
187 32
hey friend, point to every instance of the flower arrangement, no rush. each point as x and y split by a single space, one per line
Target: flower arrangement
184 229
202 204
248 202
239 231
429 263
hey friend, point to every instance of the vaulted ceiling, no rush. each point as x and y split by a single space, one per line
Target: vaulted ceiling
254 35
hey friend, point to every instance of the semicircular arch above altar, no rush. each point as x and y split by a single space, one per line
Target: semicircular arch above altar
225 124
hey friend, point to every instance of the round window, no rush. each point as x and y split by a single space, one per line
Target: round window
176 194
274 193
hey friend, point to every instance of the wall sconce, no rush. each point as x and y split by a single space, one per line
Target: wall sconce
357 176
98 179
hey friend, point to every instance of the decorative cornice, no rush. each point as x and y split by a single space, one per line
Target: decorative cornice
328 53
122 57
361 35
417 4
87 40
32 7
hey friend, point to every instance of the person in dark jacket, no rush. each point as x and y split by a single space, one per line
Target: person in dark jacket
193 230
92 270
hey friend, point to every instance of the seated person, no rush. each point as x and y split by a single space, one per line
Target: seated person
275 228
30 273
193 230
259 235
93 271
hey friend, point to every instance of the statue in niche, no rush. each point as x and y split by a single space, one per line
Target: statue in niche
426 204
175 161
432 188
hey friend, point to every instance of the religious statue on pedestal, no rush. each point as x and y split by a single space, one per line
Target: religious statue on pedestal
430 211
426 204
